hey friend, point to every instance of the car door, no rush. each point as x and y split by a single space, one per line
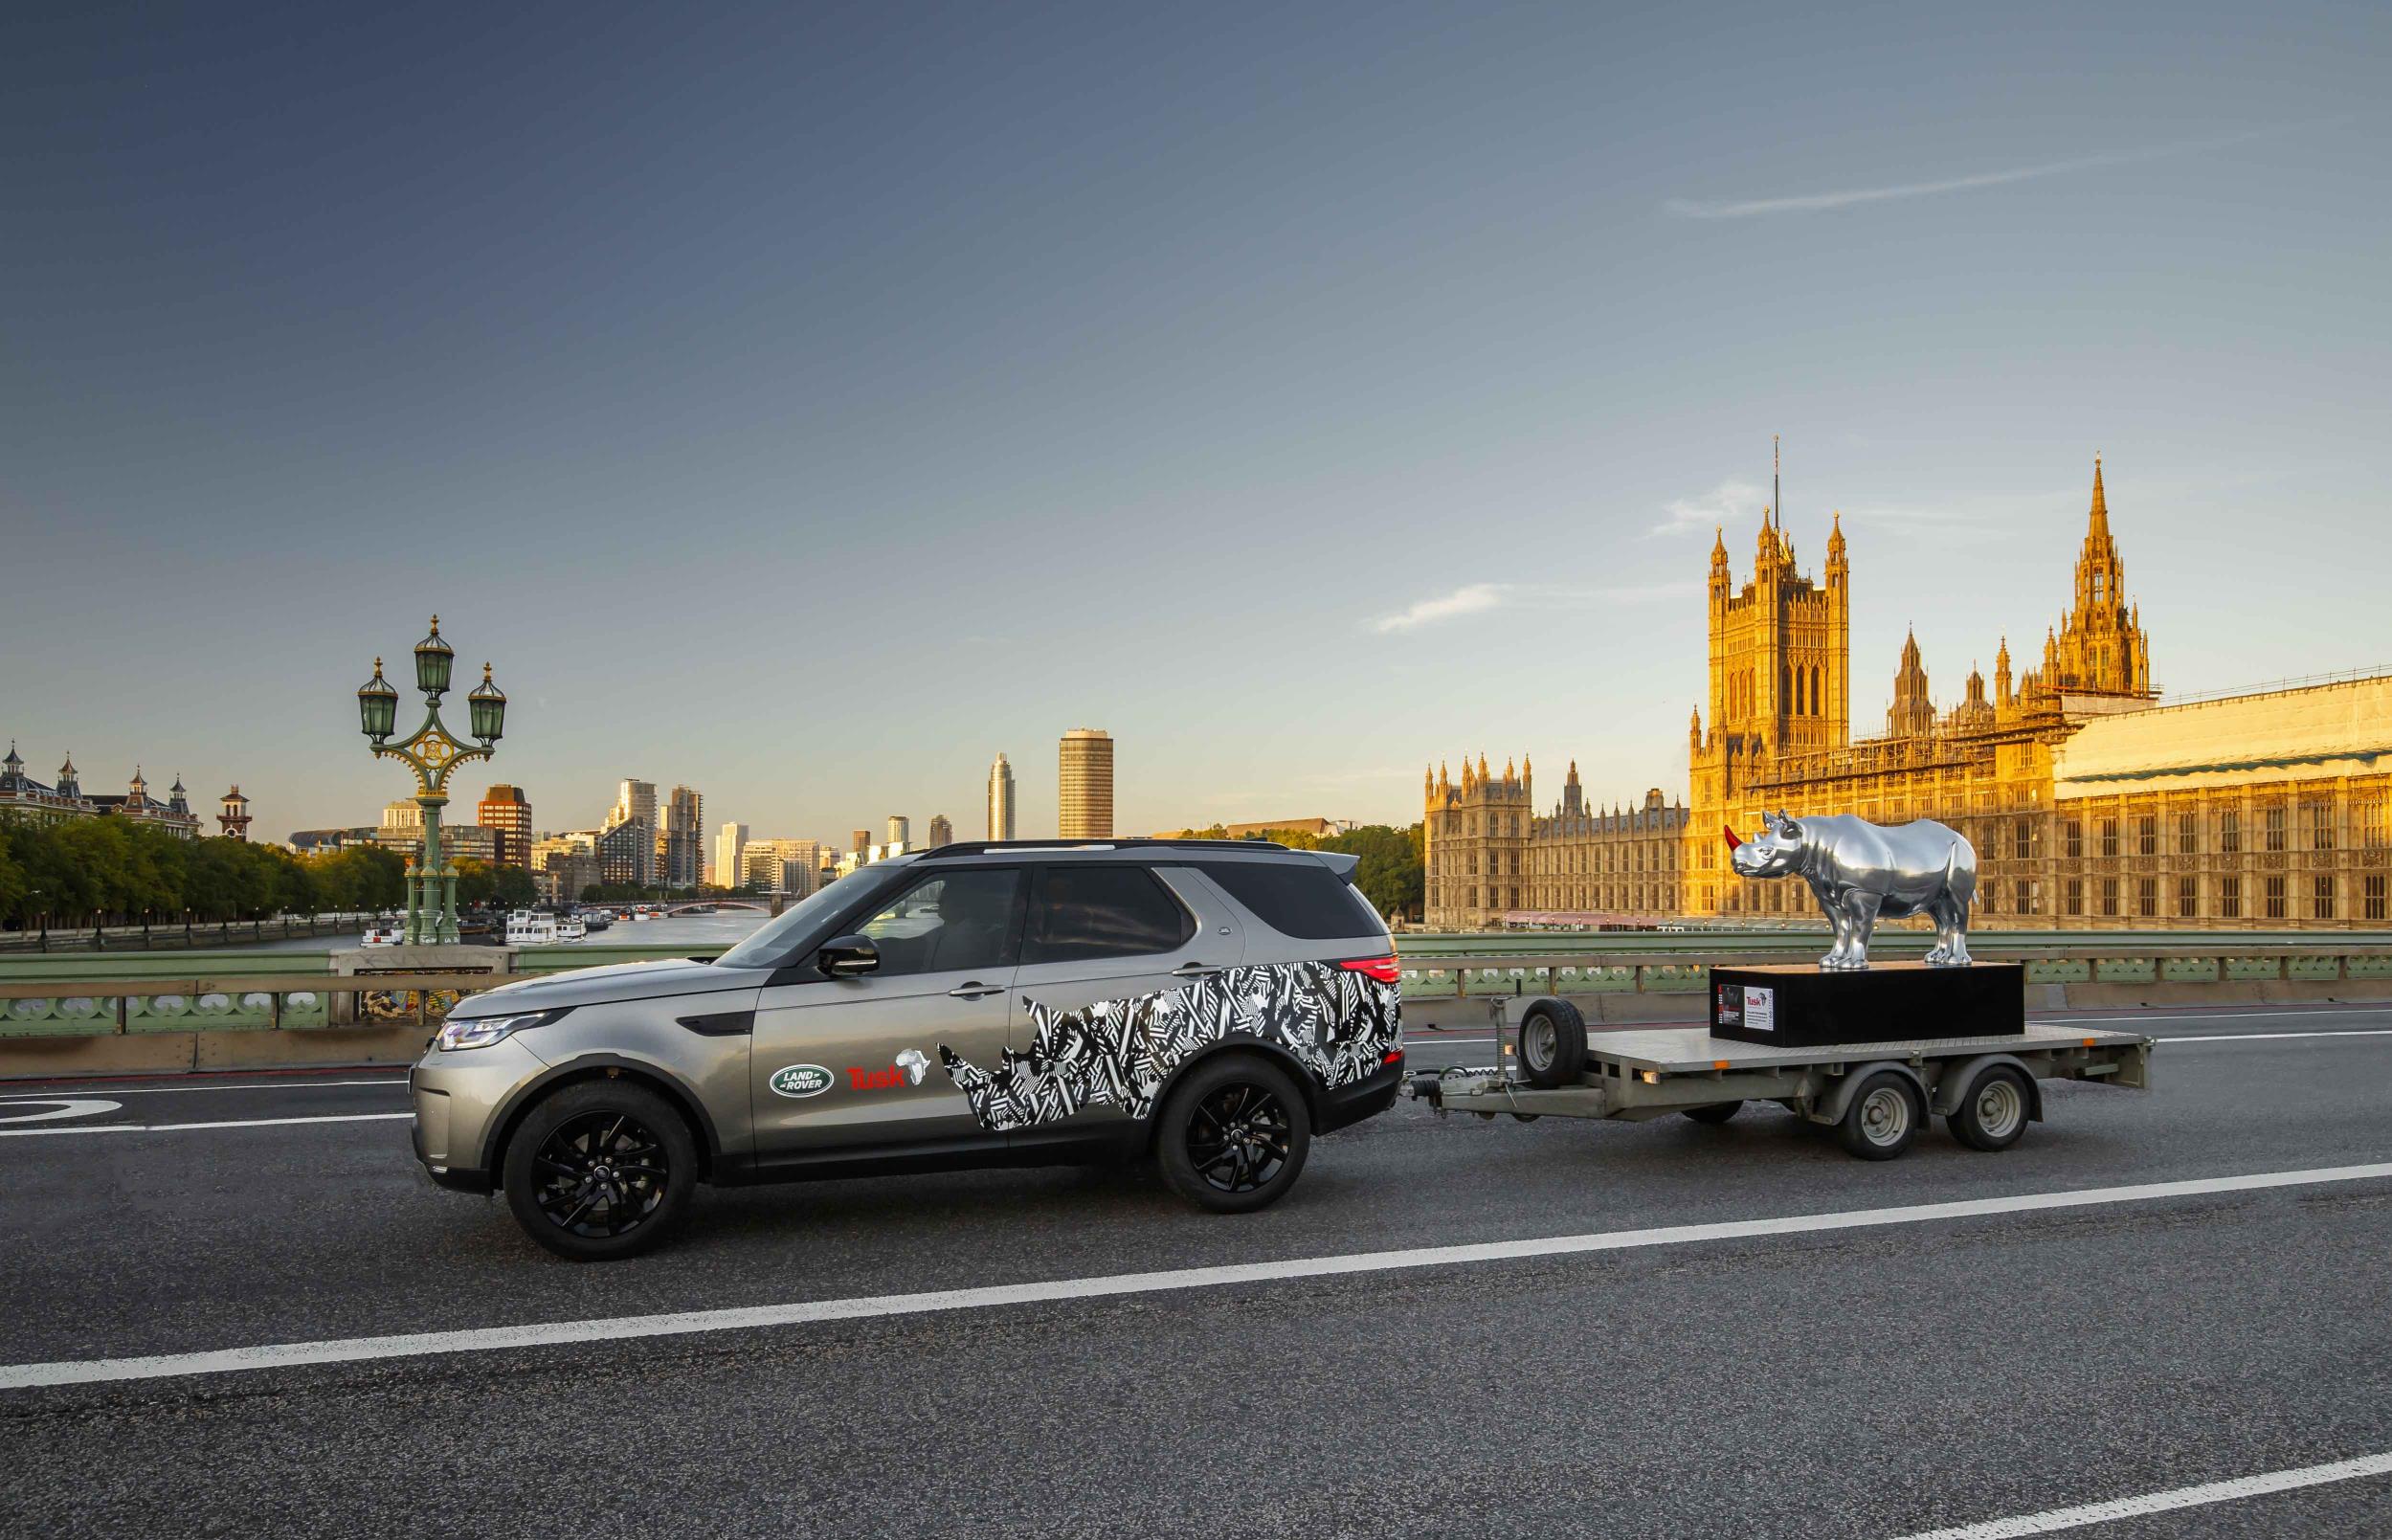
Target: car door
856 1061
1098 932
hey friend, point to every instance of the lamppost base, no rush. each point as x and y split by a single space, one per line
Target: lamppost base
418 957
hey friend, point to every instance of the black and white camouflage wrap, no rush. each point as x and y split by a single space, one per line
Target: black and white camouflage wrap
1338 1023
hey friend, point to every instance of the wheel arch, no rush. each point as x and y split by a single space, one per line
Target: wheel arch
1274 1054
602 1066
1957 1078
1831 1107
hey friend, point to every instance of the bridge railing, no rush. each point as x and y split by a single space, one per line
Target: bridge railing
282 992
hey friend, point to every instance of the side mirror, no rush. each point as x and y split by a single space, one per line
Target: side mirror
848 956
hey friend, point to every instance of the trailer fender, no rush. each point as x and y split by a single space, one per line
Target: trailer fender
1959 1078
1831 1107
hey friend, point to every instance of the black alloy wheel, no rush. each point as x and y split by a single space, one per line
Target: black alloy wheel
1237 1138
600 1171
1233 1136
600 1174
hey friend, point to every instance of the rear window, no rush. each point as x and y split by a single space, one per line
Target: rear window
1298 898
1087 912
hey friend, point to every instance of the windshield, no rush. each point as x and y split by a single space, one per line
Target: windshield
797 929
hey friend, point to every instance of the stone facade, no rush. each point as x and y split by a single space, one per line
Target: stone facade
2091 806
1490 856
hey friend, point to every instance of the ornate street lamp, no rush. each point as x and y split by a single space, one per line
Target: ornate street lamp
432 753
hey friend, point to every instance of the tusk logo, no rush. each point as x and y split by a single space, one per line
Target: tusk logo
915 1063
800 1080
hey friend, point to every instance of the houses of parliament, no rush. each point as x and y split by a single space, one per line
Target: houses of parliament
2091 802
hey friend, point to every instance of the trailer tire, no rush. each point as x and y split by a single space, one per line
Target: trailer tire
1883 1117
1552 1044
1716 1112
1992 1113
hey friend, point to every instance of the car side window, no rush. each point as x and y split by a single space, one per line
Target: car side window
1085 913
946 924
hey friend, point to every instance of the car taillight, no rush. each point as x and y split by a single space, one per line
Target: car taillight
1382 969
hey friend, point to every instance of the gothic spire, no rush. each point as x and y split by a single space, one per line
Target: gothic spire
2100 522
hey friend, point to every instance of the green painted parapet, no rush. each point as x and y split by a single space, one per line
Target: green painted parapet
79 995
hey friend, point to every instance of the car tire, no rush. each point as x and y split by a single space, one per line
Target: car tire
601 1170
1883 1117
1992 1113
1232 1136
1716 1112
1552 1044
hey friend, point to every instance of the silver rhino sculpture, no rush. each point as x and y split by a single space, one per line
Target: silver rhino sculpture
1859 870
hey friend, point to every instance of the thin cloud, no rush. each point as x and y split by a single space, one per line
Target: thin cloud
1851 197
1471 598
1728 503
1477 599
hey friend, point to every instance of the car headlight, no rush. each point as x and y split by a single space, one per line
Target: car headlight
460 1032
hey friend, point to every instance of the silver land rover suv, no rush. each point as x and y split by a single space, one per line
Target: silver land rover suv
1212 1003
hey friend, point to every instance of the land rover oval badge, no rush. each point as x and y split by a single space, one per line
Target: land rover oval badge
800 1080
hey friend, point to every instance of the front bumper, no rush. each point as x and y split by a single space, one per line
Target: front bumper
1344 1106
456 1099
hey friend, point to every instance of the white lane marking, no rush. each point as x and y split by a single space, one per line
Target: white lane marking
2282 1037
2196 1014
2129 1507
269 1085
60 1106
181 1127
551 1333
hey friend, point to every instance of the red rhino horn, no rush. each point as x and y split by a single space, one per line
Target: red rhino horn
1730 830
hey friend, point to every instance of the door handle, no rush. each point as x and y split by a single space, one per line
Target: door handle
1194 971
975 990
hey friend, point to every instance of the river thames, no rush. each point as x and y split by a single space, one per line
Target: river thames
696 931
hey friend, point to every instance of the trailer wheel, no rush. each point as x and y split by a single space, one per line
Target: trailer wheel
1552 1044
1716 1112
1883 1117
1992 1113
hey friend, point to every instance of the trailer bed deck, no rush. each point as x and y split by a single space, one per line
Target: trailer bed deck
1645 1073
1685 1050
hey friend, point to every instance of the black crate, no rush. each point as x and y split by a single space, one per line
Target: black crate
1803 1006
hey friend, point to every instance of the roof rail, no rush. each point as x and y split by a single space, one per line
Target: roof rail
983 847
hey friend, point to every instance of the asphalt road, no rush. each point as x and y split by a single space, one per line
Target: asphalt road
1888 1379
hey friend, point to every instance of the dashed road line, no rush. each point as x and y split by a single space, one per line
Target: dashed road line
2168 1502
186 1127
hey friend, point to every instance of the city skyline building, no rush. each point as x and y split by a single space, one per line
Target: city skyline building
1000 800
941 831
22 796
632 857
730 849
682 840
627 852
235 819
1084 785
506 812
787 866
900 829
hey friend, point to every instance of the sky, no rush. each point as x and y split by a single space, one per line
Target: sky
808 403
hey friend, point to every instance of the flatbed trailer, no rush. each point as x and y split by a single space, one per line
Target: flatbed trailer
1876 1095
